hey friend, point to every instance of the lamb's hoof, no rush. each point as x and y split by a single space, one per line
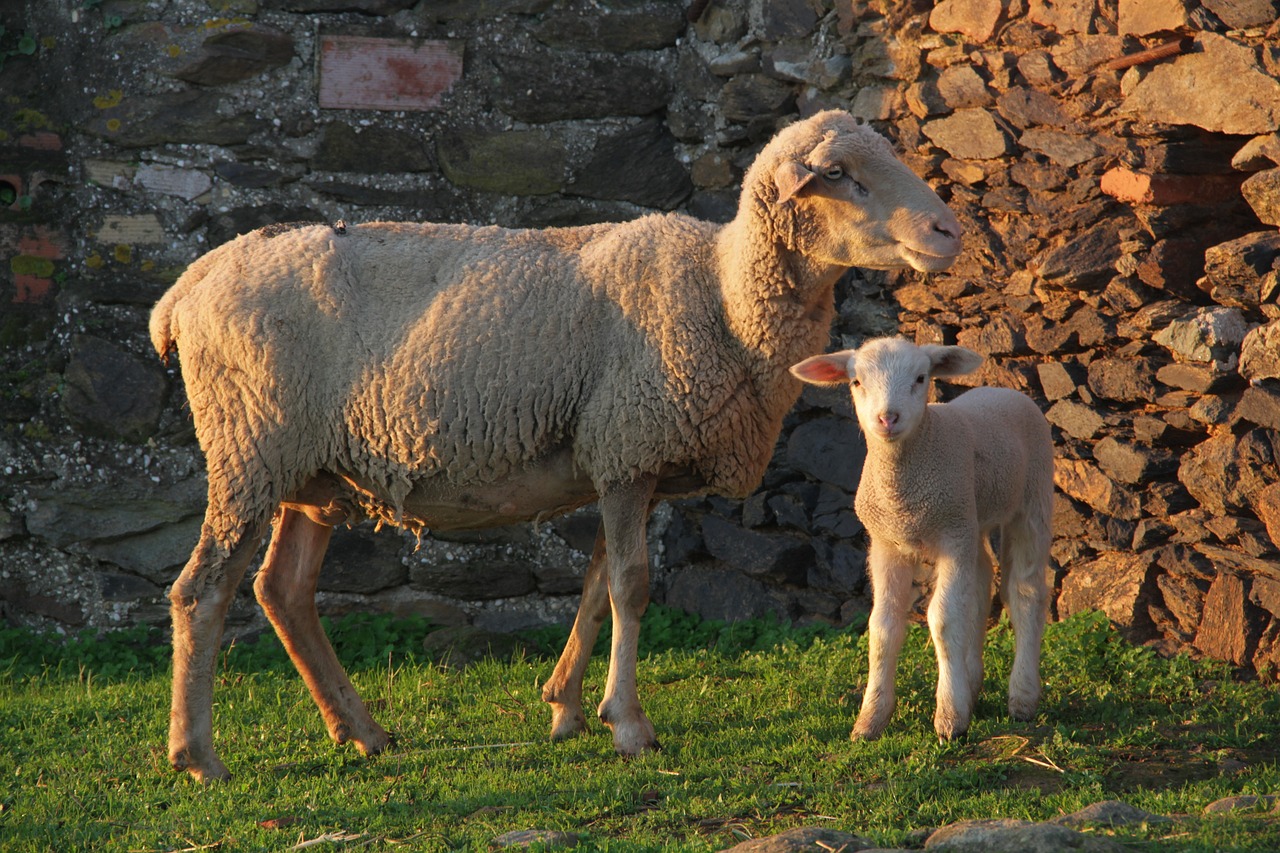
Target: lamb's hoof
859 734
946 735
1023 710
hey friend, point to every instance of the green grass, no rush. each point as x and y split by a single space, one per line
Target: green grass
754 720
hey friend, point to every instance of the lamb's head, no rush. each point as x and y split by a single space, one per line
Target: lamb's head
834 192
889 379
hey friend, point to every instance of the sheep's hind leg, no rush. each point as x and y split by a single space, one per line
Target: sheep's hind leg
563 690
199 600
625 508
954 624
891 597
1025 592
286 589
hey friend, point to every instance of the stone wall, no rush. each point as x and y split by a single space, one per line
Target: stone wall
1115 164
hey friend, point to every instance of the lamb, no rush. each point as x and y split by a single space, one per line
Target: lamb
937 481
455 377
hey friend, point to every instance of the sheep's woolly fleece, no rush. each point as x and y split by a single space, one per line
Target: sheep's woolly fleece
397 354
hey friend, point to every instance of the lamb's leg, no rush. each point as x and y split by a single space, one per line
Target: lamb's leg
563 690
982 589
625 509
891 577
286 589
199 600
1025 592
953 620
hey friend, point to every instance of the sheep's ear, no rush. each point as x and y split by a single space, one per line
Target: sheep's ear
951 361
791 177
832 369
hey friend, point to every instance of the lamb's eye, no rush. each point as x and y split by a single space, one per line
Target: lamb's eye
855 383
835 173
920 379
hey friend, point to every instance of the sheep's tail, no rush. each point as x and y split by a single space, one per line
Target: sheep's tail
164 329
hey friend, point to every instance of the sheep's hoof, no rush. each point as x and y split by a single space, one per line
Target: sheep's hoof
205 772
372 742
566 722
634 737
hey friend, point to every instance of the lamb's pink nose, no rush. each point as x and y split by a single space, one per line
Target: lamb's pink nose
888 420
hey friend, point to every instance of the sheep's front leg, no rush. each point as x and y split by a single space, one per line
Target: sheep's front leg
199 600
286 589
891 575
956 627
563 690
625 509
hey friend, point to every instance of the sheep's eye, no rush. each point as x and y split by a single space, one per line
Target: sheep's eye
835 173
920 379
855 383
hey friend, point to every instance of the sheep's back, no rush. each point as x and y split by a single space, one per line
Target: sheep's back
1012 450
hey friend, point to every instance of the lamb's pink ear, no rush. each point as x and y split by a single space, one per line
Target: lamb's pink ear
832 369
790 178
951 361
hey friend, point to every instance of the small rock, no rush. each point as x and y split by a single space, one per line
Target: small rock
1119 583
1261 152
776 556
1131 463
1015 836
1075 419
1055 380
804 839
1260 405
1219 87
1262 191
111 392
1241 803
658 179
1066 149
974 18
376 150
960 87
1143 17
1123 379
1083 481
1200 378
969 134
1230 624
829 449
1224 472
1207 334
237 54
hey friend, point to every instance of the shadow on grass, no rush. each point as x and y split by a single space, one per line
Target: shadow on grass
363 641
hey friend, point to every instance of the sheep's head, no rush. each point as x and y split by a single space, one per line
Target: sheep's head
889 379
837 194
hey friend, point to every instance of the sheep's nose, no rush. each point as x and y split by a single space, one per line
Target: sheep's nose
948 226
889 419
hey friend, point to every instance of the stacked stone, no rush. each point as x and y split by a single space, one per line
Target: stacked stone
1115 163
1120 268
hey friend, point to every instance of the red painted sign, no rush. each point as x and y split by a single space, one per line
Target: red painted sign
363 73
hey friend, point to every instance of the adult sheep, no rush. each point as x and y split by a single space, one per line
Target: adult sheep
938 480
451 377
